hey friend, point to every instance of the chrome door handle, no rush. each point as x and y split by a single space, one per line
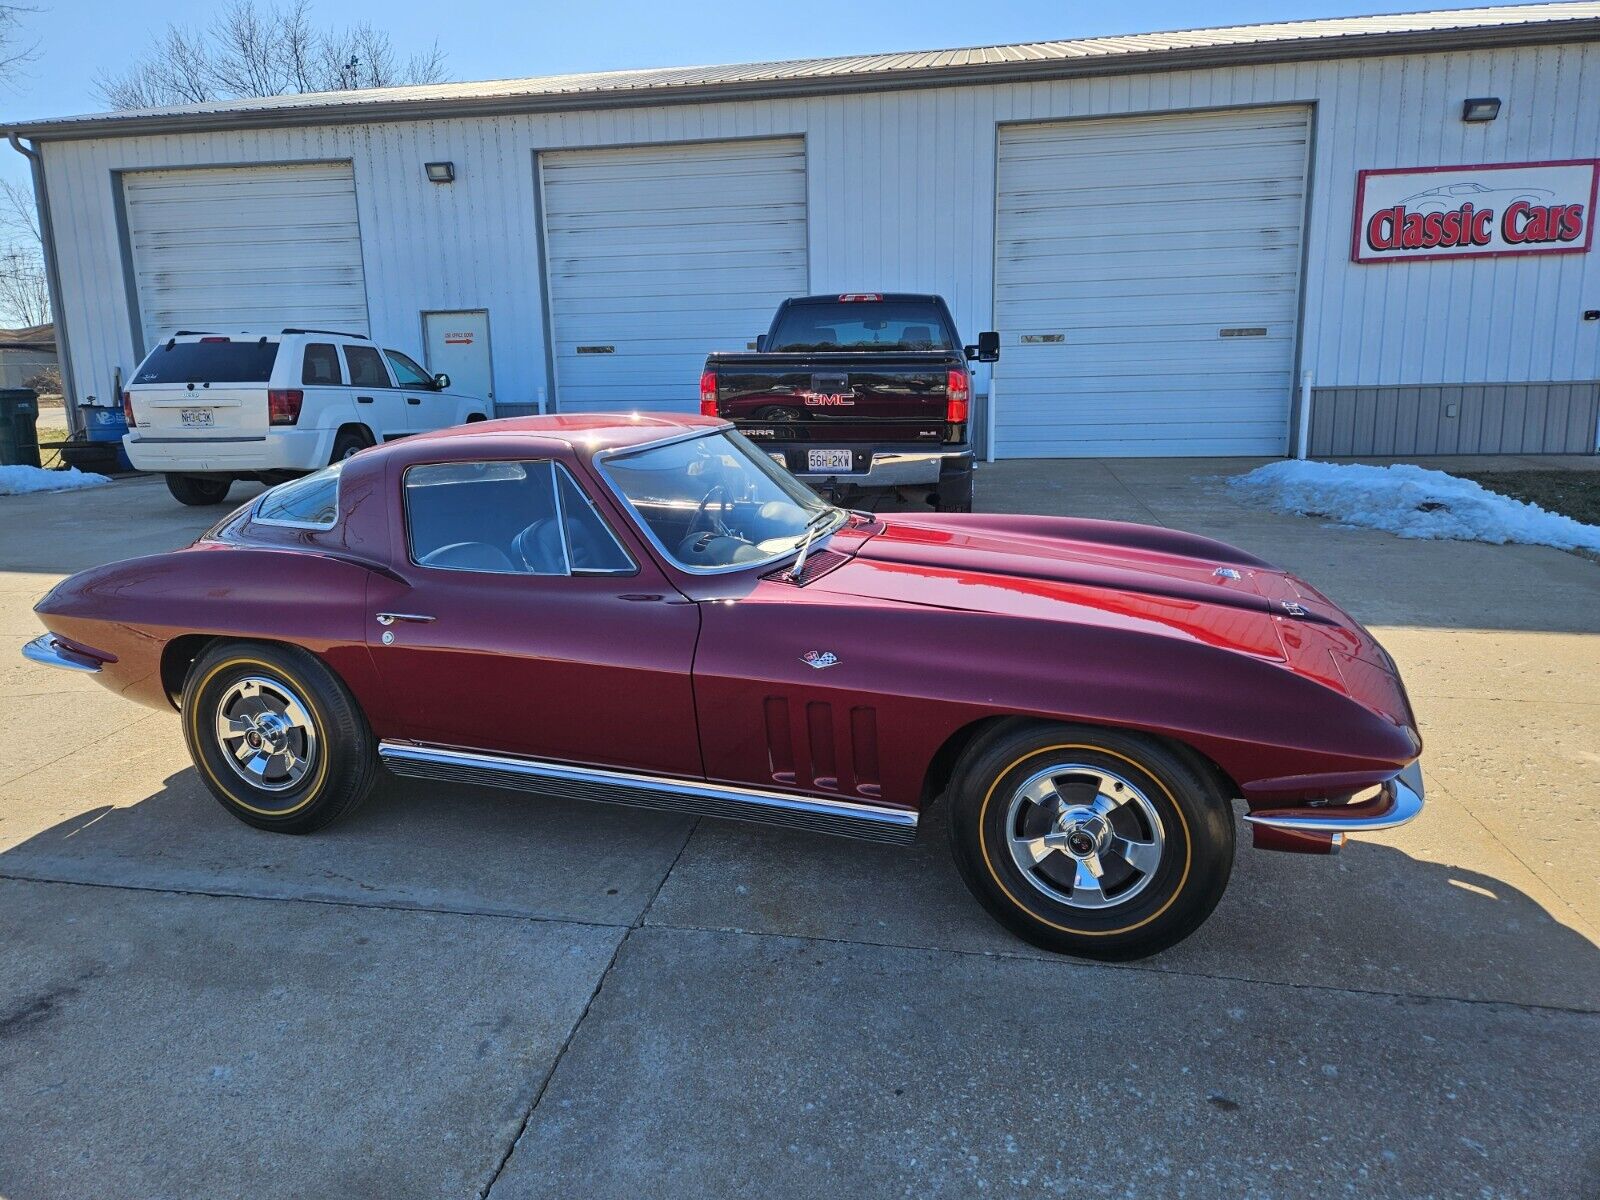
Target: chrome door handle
415 618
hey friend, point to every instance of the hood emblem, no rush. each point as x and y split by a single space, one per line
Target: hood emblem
819 659
1293 609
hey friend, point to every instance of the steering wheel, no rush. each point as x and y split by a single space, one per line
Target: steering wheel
702 512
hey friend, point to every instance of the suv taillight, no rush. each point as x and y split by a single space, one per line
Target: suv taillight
283 405
708 394
957 389
127 410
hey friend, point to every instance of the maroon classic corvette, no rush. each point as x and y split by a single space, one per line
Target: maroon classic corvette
647 610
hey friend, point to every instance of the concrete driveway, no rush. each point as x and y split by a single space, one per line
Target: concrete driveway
458 993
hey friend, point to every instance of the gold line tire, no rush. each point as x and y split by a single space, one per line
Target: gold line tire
1092 842
276 736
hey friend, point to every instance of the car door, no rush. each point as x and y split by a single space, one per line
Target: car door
426 407
518 621
375 393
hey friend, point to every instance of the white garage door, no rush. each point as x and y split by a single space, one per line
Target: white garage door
662 254
1147 282
259 248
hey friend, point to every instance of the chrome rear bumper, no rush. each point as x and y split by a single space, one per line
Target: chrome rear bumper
45 649
1398 801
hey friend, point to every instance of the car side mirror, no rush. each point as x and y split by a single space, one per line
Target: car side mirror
987 350
441 382
761 342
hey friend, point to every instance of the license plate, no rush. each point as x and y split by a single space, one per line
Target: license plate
829 460
195 418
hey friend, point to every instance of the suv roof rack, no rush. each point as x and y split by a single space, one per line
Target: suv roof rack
333 333
193 332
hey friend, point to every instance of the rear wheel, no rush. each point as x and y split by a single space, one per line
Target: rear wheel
199 490
349 441
1090 841
955 494
276 736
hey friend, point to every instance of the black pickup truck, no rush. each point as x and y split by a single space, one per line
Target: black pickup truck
864 391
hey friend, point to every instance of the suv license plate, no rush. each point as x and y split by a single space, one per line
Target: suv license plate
195 418
829 460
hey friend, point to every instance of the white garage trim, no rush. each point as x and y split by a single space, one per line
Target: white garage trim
657 255
245 247
1147 283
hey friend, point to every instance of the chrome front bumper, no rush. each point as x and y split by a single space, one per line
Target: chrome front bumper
1398 801
45 649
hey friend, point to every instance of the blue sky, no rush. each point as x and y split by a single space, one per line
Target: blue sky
490 39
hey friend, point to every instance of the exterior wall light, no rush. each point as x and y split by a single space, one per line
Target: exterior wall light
445 172
1482 108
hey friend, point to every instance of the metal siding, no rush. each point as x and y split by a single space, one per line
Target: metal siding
662 254
1138 241
1408 422
472 244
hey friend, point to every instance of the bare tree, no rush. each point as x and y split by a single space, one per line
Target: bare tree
256 50
14 52
24 293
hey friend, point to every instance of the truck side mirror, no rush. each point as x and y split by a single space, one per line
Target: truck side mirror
441 382
761 342
989 347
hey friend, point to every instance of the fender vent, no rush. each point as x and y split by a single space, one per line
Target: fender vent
818 564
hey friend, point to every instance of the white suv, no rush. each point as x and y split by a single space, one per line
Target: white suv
208 408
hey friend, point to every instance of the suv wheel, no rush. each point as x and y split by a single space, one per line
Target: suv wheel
347 443
199 490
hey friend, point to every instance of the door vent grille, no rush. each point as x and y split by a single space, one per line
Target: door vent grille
818 564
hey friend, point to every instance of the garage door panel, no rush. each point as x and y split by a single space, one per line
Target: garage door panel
260 247
1142 246
664 254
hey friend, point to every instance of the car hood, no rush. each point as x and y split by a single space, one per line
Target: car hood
1113 575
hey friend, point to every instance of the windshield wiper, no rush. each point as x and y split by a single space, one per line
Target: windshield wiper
813 527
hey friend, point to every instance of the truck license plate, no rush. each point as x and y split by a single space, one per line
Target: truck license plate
829 460
195 418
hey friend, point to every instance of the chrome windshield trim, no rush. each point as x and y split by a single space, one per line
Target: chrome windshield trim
843 818
648 532
45 649
1399 801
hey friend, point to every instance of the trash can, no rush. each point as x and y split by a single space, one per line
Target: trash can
19 428
107 425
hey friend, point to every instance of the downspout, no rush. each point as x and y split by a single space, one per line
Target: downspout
47 239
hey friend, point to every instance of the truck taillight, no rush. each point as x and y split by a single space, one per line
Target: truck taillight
957 390
127 410
708 394
283 405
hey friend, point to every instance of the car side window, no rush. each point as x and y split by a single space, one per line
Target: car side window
366 367
506 518
321 367
407 372
311 502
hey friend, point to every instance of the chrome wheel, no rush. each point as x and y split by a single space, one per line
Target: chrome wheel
266 733
1084 836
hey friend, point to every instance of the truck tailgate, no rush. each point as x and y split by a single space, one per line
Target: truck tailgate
835 398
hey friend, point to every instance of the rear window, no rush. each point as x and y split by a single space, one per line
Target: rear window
861 325
209 362
312 502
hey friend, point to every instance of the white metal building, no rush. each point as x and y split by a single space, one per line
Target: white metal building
1172 232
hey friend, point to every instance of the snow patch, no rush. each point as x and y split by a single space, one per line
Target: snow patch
20 481
1412 502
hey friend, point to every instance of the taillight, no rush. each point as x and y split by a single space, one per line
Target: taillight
127 410
708 394
956 392
283 405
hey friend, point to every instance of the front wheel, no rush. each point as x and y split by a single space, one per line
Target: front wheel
276 736
1088 841
199 490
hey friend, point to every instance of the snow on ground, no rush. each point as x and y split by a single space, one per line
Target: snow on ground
1412 502
19 481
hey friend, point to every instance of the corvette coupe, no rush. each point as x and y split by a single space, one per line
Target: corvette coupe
647 610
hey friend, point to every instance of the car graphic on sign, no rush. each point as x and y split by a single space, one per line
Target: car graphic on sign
1450 196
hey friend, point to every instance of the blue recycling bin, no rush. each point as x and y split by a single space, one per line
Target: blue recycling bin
107 425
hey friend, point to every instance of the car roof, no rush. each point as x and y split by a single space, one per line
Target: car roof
585 433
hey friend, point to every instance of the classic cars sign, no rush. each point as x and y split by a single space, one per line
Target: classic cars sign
1474 211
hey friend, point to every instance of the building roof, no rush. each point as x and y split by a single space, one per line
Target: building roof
33 337
1455 29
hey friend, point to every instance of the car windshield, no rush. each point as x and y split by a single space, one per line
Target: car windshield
716 502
